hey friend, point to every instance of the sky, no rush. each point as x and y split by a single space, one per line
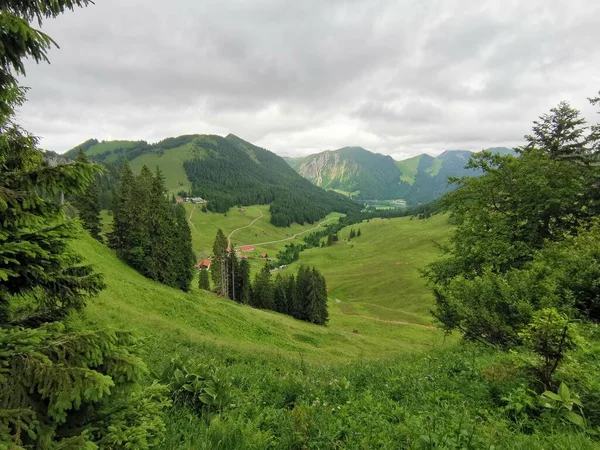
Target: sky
396 77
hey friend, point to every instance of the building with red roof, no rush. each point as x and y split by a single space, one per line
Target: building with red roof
247 248
204 264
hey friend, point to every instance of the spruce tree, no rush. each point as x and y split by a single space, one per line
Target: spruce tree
244 285
561 134
280 299
330 239
358 233
62 385
88 204
184 254
262 290
219 252
204 280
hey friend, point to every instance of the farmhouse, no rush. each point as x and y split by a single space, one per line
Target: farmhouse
263 255
179 200
246 248
203 265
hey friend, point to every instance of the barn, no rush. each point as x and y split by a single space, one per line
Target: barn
246 248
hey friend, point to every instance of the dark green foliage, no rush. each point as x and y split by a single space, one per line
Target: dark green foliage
204 280
219 254
184 257
560 134
200 387
358 234
262 290
290 254
88 204
352 234
243 284
150 233
525 238
61 386
231 176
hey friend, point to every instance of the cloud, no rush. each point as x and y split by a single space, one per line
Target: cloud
396 77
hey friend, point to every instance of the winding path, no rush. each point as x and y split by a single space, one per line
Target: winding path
241 228
393 322
295 235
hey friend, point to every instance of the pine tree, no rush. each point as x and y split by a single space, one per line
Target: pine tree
219 252
330 239
61 385
204 280
280 294
352 234
243 287
88 204
184 253
262 290
561 133
298 306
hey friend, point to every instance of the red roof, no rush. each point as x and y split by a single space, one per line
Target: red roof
247 248
244 256
263 255
179 200
203 263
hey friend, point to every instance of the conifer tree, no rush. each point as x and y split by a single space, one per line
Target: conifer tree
88 204
204 280
358 233
61 385
219 252
561 134
280 299
298 306
262 290
184 254
243 287
330 239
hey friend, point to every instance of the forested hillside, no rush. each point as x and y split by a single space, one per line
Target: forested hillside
227 172
364 175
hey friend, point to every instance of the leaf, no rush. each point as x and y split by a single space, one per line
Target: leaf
564 392
575 418
552 396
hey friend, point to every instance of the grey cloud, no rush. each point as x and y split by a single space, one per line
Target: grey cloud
397 77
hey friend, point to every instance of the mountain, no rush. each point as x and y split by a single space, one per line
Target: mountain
354 171
365 175
226 171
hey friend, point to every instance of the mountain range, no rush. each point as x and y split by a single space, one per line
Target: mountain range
227 171
364 175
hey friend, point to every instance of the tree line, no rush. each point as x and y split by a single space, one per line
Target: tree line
303 296
149 232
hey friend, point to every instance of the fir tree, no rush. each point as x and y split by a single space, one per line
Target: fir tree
352 234
243 287
61 385
330 239
358 233
204 280
88 204
219 252
184 253
280 294
262 290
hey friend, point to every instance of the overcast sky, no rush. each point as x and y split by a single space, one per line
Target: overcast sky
296 77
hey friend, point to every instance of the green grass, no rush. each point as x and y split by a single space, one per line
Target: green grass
408 167
205 226
377 274
110 146
173 321
435 167
171 163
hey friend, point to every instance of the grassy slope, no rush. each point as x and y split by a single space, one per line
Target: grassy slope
205 226
177 322
408 167
388 256
171 164
109 146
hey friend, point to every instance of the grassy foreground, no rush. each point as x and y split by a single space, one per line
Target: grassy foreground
358 383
